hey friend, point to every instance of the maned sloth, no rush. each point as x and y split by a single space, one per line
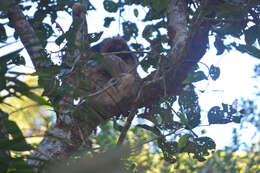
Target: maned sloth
116 44
113 65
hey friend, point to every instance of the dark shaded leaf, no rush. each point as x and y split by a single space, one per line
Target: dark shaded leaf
17 143
110 6
219 45
206 142
189 104
195 77
215 115
130 29
227 115
93 37
153 15
251 34
251 50
3 36
237 119
108 20
60 39
8 59
136 13
214 72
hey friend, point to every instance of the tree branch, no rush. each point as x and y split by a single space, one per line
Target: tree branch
189 44
127 125
28 37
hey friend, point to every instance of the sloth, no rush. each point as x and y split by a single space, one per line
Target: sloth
116 44
112 65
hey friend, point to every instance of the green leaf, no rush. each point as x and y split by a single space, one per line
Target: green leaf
152 129
38 99
19 164
18 142
12 128
24 89
183 119
136 13
183 141
159 5
2 83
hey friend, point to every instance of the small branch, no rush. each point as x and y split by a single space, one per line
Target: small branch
59 28
130 117
153 139
222 20
125 52
187 125
127 126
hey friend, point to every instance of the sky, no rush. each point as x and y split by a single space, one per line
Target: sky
235 81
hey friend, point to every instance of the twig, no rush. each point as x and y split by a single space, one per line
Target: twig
153 139
187 125
125 52
222 20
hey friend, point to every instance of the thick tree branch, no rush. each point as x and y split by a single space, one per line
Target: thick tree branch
127 125
28 37
188 47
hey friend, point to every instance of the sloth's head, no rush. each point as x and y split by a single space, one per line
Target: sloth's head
117 44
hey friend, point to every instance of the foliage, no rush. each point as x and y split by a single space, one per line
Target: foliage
172 129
